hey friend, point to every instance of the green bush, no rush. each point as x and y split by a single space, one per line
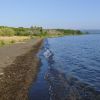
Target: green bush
7 32
12 41
2 43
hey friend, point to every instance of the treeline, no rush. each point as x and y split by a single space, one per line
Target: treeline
12 31
20 31
35 31
70 32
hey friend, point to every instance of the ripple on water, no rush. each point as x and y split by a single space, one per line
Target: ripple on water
75 71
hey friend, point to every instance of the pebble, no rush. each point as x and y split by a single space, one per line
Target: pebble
1 73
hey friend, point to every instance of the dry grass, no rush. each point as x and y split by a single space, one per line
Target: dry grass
13 39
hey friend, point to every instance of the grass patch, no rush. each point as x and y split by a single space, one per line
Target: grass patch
2 43
12 41
6 40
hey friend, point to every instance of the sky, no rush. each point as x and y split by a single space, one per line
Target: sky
73 14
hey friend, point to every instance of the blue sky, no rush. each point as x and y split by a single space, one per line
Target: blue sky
77 14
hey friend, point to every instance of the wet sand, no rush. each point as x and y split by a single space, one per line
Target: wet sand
18 68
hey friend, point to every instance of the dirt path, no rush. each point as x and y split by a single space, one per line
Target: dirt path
19 66
10 52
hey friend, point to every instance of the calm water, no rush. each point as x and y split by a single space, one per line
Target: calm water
70 68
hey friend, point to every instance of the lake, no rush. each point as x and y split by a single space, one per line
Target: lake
70 69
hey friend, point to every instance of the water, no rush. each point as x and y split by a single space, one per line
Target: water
71 67
40 89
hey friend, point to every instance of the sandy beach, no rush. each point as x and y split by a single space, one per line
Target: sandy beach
18 68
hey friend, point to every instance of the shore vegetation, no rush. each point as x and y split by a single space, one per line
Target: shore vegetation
10 35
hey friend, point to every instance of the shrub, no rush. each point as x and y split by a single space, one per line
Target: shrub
12 41
7 32
2 43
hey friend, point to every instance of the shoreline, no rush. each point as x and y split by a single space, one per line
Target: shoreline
18 76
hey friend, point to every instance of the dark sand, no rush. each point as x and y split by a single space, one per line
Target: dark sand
18 68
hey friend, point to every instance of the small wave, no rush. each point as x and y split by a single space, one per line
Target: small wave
47 53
